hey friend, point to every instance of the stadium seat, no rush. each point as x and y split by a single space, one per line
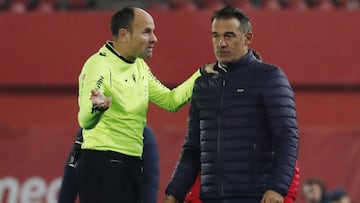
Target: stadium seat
4 4
340 4
182 5
76 4
326 5
156 5
242 4
212 4
293 4
18 6
46 6
353 4
270 5
22 6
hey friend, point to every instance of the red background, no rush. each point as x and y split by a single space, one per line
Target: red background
41 56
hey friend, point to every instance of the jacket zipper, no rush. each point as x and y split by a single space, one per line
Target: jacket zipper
219 138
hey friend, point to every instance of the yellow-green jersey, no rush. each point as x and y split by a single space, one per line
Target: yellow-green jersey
130 85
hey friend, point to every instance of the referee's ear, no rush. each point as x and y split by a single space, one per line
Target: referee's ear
123 35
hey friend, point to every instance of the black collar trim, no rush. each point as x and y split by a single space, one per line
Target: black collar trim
111 48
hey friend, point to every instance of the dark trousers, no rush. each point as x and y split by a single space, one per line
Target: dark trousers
235 200
109 177
69 187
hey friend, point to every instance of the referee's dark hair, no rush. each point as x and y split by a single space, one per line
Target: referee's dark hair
122 19
232 12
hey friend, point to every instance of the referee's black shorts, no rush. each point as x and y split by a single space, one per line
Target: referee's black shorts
109 177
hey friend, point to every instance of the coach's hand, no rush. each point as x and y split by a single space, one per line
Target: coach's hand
170 199
271 196
99 101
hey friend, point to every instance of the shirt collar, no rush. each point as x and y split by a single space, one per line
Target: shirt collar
109 45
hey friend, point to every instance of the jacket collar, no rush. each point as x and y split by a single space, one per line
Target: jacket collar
243 61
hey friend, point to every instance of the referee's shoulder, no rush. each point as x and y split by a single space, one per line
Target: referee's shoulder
98 58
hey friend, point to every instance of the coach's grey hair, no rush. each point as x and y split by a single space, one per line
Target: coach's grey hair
232 12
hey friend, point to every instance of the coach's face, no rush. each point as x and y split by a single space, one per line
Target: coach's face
230 43
142 37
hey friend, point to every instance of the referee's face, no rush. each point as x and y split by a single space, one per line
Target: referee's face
142 37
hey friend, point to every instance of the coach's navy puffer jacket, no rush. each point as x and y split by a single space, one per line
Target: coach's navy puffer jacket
242 133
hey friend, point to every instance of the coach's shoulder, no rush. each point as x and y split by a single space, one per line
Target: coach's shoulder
270 69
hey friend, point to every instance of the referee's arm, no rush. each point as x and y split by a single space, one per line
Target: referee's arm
92 77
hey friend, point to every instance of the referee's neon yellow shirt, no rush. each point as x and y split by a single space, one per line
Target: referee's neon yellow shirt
131 86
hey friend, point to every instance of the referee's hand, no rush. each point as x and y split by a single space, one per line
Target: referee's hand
99 101
209 68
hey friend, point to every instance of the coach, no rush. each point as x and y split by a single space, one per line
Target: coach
242 129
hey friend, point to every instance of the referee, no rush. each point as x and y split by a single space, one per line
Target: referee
120 84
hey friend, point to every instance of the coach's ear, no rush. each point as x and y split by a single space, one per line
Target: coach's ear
248 38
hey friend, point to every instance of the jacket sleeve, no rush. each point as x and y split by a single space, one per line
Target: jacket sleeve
93 76
188 165
171 100
279 104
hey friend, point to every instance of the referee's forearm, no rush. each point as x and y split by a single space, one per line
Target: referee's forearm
89 120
